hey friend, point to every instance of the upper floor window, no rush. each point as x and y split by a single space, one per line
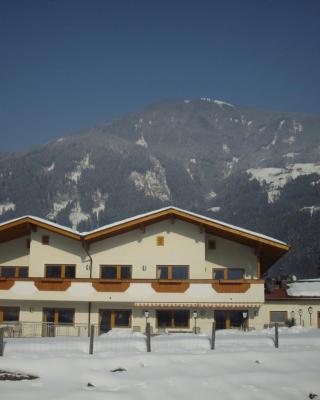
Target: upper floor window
115 271
45 239
235 273
160 240
211 244
60 271
179 272
218 273
228 273
14 272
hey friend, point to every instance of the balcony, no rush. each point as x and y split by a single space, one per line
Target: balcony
231 286
52 284
6 284
170 286
108 285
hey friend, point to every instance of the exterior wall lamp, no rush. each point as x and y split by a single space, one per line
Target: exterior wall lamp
195 316
310 310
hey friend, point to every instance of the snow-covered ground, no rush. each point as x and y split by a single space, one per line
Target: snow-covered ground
180 366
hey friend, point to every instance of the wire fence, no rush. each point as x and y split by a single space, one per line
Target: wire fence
65 340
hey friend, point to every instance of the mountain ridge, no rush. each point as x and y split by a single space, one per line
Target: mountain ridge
241 165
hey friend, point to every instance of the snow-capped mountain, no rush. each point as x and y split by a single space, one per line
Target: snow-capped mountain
256 168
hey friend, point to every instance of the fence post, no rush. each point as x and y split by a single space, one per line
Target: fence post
1 342
91 339
276 335
213 335
148 332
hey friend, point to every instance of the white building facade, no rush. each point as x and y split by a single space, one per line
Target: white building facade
178 268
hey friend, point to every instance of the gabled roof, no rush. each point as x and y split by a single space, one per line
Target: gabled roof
270 249
23 225
178 212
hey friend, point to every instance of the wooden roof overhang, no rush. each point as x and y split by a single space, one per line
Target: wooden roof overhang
23 227
269 250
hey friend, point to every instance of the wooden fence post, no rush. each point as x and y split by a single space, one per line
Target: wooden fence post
213 335
1 342
91 339
276 335
148 332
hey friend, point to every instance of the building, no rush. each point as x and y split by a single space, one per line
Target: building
298 302
184 269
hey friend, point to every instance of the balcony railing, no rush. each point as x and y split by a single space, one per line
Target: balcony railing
43 329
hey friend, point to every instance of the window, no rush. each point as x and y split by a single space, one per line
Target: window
60 271
59 315
28 243
211 244
8 272
218 273
228 273
125 272
109 272
278 316
160 240
178 272
173 319
45 239
122 318
235 273
14 272
23 272
116 272
9 314
162 272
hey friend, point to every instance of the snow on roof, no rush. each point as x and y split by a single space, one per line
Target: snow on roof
304 288
136 217
42 220
191 214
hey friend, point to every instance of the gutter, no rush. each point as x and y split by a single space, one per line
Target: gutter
85 248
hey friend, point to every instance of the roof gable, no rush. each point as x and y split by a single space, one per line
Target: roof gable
268 248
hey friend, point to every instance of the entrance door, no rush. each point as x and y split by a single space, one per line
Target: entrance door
319 319
48 319
220 317
105 321
226 319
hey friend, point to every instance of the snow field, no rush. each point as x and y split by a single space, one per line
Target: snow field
244 366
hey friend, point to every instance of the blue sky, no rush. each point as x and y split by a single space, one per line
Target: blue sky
70 64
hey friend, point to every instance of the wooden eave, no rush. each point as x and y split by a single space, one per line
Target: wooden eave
23 227
270 251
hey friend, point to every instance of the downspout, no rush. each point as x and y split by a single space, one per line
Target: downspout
85 247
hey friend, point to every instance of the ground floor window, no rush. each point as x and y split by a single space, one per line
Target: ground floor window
58 315
109 319
9 314
173 318
230 319
278 316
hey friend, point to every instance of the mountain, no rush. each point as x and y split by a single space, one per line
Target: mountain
259 169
